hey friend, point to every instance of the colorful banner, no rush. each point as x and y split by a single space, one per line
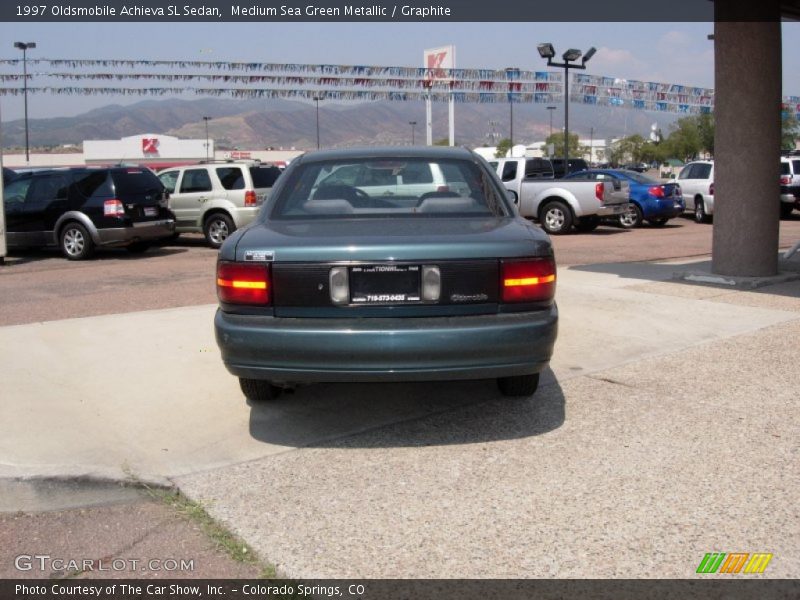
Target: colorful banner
364 82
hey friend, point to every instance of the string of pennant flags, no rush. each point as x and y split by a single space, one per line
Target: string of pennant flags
367 83
503 87
247 93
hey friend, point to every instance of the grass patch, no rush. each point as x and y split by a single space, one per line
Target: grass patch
226 541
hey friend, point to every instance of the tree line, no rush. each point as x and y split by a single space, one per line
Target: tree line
688 138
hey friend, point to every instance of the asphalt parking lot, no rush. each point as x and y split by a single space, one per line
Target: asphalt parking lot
666 427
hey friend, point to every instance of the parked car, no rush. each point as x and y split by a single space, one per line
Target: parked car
697 184
332 283
217 198
639 167
650 200
790 185
79 209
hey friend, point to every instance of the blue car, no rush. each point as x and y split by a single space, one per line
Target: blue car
395 264
650 200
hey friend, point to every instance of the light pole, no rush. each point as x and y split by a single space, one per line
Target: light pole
317 99
512 73
591 147
413 124
25 46
547 51
208 144
550 109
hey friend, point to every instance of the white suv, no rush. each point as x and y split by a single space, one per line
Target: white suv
216 198
697 185
790 184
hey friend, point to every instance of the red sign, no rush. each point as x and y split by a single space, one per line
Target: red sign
149 145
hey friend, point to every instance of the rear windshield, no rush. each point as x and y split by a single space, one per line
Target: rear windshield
135 181
795 170
389 187
639 178
264 177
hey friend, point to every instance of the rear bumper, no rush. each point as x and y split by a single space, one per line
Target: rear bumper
790 195
386 349
668 208
137 232
244 216
611 210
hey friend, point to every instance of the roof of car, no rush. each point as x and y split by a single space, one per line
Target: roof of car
429 152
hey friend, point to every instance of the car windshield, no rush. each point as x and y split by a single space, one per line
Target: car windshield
388 187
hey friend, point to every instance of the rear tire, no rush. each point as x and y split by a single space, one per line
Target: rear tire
75 242
786 210
259 390
217 228
518 385
632 217
700 215
556 218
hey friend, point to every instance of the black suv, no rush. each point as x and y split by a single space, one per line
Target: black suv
81 208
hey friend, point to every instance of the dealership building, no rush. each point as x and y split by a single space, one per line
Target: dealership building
153 150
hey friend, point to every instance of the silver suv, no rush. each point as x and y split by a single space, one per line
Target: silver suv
216 198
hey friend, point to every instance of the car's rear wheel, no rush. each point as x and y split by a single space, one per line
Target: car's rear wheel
556 218
217 228
632 217
259 390
658 222
75 242
518 385
786 210
138 247
700 210
587 224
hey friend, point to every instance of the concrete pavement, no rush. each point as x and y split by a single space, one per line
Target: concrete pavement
666 428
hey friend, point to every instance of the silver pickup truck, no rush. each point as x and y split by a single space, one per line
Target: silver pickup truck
560 204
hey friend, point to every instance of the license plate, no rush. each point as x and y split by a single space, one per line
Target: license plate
384 284
150 211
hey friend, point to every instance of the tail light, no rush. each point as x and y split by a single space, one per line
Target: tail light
529 280
711 190
442 188
113 208
239 283
786 179
656 191
599 191
250 198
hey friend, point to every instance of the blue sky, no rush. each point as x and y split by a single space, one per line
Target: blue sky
668 52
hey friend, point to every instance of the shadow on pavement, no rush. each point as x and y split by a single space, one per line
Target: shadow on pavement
390 415
21 257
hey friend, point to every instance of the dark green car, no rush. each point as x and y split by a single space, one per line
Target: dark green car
387 264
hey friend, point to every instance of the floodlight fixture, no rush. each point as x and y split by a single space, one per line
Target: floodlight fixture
546 50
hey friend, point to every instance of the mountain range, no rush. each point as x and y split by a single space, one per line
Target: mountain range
258 124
